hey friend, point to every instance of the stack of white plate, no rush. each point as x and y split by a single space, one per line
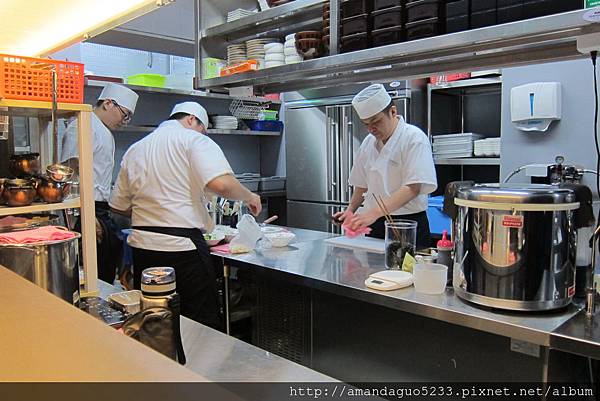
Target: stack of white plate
236 54
489 147
255 49
291 54
239 13
225 122
452 146
274 56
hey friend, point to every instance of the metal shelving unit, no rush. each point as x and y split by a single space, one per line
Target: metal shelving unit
474 161
211 131
183 92
82 112
285 18
543 39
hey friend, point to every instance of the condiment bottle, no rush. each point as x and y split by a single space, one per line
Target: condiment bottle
444 248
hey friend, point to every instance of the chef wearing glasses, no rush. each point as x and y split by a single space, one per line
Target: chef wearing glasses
394 164
114 109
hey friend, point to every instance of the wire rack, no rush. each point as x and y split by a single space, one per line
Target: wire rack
247 109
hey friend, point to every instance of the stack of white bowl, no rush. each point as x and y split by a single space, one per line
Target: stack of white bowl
236 54
255 50
291 54
225 122
274 56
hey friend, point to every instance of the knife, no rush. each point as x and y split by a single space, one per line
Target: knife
333 219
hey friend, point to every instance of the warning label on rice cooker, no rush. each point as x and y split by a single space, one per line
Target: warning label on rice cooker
512 221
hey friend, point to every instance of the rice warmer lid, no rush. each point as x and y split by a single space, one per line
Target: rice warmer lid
519 194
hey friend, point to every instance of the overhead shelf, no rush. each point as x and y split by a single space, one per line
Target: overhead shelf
467 83
183 92
285 18
39 207
474 161
211 131
544 39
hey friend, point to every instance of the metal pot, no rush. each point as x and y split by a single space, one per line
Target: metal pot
53 265
52 191
515 246
19 192
24 165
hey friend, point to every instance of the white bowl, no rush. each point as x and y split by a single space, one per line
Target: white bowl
291 36
290 44
274 57
430 278
290 51
215 238
292 60
270 64
273 47
280 239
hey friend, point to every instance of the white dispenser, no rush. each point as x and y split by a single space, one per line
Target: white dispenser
534 106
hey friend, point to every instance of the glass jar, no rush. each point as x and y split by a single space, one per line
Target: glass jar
400 238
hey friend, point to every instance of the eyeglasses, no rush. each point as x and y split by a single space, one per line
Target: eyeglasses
126 115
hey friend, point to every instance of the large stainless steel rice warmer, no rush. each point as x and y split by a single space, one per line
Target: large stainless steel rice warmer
515 246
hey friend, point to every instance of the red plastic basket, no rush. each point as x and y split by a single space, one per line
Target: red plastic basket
28 78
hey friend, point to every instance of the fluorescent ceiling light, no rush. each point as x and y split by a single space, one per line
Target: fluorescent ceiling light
41 27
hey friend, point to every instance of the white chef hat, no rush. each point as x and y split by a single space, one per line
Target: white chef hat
194 109
370 101
124 97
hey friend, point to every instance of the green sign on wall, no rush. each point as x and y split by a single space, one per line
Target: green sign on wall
592 3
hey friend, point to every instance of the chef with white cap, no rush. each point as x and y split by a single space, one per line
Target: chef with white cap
394 163
114 108
162 184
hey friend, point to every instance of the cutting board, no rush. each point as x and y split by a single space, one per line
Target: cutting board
366 243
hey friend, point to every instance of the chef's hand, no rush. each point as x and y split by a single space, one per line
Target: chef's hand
342 216
361 220
98 231
254 204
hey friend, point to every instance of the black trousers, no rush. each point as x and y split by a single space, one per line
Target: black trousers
195 279
109 251
423 234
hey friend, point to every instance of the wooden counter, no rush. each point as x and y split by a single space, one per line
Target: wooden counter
43 338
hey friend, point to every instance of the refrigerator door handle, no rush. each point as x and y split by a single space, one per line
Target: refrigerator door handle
330 129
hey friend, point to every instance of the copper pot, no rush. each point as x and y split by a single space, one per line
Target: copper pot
19 192
24 165
51 191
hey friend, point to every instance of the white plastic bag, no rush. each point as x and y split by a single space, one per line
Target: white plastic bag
249 233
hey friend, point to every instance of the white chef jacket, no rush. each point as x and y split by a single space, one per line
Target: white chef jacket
383 169
104 154
163 179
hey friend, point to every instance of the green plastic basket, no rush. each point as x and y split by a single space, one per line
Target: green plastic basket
154 80
268 115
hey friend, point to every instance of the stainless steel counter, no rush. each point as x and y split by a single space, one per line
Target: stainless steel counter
343 271
221 358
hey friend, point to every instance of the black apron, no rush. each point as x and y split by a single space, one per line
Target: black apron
423 234
109 251
202 270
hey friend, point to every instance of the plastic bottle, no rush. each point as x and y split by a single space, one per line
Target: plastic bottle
445 248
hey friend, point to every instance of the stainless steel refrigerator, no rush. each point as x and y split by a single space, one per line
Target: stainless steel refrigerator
322 140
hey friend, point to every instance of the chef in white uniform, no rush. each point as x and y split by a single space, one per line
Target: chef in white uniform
394 163
114 108
162 185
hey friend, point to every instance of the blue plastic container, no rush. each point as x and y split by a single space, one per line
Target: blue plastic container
274 126
438 220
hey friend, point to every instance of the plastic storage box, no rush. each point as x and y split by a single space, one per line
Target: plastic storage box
351 8
274 183
381 4
387 18
28 78
275 126
154 80
438 220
